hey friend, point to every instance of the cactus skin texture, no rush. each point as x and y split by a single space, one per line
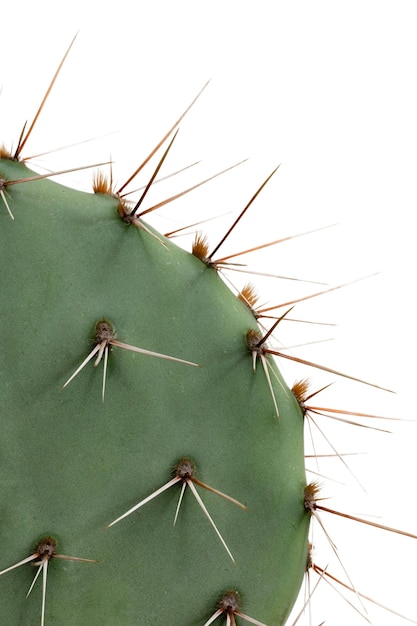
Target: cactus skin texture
71 463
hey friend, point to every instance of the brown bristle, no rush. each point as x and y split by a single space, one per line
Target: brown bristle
309 563
46 547
300 390
200 248
5 153
185 468
310 495
124 211
104 332
101 183
229 602
249 296
253 338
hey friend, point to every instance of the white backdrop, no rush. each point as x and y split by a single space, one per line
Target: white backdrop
327 90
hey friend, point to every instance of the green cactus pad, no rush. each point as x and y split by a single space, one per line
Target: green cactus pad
71 463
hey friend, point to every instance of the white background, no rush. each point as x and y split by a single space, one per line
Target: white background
327 90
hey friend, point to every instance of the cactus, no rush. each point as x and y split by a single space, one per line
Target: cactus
146 429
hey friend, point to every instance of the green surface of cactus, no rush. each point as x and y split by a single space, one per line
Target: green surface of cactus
71 463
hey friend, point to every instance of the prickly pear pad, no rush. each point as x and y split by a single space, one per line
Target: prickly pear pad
71 463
